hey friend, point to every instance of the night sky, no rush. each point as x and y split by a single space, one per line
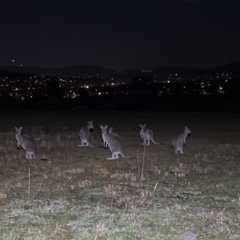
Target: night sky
119 34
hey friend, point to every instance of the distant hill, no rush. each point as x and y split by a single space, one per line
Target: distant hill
78 70
65 71
229 68
4 73
163 70
232 67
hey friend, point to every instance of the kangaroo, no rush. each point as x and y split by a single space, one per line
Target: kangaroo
112 143
110 131
146 135
105 145
85 135
26 143
179 141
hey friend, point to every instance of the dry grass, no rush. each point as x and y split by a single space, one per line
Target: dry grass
154 194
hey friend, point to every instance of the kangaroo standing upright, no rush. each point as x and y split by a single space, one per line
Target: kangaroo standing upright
146 135
112 142
85 135
179 141
110 131
26 143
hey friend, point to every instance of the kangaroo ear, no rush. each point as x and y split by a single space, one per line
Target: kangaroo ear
101 126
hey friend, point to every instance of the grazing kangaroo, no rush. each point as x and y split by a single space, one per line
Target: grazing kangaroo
26 143
112 143
179 141
146 135
85 135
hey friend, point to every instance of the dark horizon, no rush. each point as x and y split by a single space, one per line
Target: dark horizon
125 69
232 66
120 35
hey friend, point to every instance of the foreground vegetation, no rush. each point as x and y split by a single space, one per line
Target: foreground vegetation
75 193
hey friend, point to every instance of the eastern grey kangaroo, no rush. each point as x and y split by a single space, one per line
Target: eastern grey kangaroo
146 135
26 143
179 141
85 135
112 142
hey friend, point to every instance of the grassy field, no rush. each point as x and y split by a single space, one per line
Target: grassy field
152 194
